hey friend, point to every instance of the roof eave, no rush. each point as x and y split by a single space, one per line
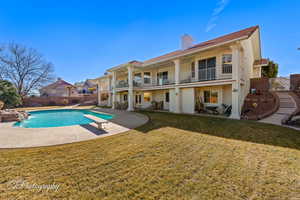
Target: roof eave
196 50
122 66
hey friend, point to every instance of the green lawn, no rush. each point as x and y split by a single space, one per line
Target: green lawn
171 157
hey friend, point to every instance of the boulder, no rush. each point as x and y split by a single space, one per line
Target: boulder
12 115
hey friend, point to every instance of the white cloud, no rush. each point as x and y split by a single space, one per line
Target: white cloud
221 5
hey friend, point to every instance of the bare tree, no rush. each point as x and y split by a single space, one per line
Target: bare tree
25 68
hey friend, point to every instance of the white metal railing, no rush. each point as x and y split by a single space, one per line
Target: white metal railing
159 82
122 84
207 74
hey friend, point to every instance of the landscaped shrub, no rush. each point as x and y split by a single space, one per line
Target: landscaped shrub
9 95
65 101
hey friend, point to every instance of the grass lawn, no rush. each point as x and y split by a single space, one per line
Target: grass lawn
171 157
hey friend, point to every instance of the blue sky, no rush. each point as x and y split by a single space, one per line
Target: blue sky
83 38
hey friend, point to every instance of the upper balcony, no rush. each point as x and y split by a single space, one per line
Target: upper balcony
205 67
208 74
122 84
154 83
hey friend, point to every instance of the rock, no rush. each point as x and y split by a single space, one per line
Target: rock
12 115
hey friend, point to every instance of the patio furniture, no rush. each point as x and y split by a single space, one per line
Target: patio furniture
227 109
212 110
199 106
98 121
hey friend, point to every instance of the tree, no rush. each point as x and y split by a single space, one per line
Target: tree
271 70
25 68
8 94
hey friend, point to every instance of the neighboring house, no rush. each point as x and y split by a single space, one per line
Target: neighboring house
104 90
214 72
87 87
60 88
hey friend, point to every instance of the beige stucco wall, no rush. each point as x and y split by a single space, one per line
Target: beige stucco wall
160 95
188 100
172 105
250 53
255 41
227 94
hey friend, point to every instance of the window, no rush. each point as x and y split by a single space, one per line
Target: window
147 77
138 99
167 97
147 97
193 69
210 96
227 64
207 69
162 78
138 78
125 97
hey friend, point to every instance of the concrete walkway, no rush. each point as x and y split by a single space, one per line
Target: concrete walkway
16 137
287 107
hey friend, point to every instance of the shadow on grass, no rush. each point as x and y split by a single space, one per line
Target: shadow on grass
243 130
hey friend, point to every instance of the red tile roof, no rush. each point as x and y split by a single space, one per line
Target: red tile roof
57 84
135 62
226 38
262 61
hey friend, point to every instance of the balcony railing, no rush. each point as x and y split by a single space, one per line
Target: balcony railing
207 74
160 82
204 75
122 84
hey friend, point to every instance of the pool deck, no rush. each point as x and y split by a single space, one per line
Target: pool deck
16 137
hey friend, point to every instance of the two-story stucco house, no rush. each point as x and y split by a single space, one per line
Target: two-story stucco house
214 72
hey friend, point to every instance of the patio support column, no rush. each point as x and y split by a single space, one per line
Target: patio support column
236 85
109 92
177 71
113 89
130 88
196 70
99 92
177 82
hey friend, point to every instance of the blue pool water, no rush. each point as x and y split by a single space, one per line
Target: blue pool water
59 118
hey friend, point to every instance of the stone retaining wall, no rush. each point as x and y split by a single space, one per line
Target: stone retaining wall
259 106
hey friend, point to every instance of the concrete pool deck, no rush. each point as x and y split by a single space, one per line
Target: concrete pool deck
16 137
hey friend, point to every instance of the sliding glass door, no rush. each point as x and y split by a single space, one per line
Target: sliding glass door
207 69
162 78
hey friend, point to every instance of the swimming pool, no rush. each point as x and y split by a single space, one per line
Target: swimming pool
59 118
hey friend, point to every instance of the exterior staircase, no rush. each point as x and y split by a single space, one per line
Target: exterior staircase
286 108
